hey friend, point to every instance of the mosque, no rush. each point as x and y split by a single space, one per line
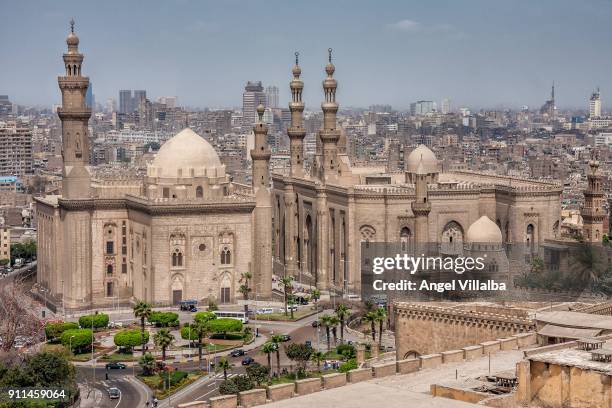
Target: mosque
186 231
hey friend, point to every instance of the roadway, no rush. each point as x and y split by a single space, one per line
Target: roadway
134 394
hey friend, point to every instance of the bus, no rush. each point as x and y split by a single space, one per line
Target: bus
232 315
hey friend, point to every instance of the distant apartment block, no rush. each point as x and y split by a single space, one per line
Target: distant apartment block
15 151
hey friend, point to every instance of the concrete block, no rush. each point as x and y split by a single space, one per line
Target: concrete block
408 366
452 356
384 370
280 391
430 361
224 401
526 339
472 352
490 347
359 374
307 386
334 380
252 398
509 343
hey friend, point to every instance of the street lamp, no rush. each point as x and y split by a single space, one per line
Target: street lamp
70 343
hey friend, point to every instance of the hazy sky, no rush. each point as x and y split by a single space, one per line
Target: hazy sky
481 53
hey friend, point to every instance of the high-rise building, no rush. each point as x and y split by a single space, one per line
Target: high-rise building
170 101
15 151
595 105
139 95
422 107
6 107
125 101
272 97
445 107
252 97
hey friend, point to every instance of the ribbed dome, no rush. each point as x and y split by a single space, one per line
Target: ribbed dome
185 151
484 230
422 154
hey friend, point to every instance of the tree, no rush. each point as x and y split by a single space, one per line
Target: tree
381 315
291 302
187 333
147 363
315 295
287 284
317 357
77 339
258 373
129 339
53 331
277 340
224 365
327 321
142 310
224 326
269 348
200 328
300 353
245 288
334 321
97 321
372 318
164 319
236 384
164 339
342 312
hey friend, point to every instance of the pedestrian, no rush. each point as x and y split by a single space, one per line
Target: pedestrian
106 375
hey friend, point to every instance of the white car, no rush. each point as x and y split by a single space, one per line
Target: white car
265 310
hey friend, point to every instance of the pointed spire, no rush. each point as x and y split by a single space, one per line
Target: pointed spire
297 71
72 25
297 58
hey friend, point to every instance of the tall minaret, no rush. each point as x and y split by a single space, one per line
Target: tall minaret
329 135
262 225
74 115
296 131
592 211
421 206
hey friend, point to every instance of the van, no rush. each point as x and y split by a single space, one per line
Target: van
265 310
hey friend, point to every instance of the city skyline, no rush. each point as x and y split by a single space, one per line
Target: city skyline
506 56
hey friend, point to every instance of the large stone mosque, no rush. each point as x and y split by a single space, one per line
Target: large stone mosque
186 231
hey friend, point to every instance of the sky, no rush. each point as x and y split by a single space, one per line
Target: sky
478 53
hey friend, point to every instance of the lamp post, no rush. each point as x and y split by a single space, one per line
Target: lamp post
70 343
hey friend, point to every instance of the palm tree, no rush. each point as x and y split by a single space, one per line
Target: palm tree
245 289
224 364
342 312
317 357
142 310
277 340
164 339
147 362
334 321
291 302
269 348
315 295
326 321
372 318
286 282
381 315
200 328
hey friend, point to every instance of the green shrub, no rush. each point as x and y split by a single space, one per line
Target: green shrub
100 320
224 326
236 384
347 350
185 332
349 365
53 331
130 338
78 339
164 319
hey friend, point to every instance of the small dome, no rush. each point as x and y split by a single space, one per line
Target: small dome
484 230
184 151
422 154
72 40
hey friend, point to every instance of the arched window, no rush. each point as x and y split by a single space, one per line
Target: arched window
109 269
226 256
199 192
405 237
177 258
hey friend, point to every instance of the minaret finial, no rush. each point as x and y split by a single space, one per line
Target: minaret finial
297 56
260 112
72 25
329 52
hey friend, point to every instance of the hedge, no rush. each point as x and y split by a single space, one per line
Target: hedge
130 338
164 319
53 331
78 339
224 326
100 320
185 332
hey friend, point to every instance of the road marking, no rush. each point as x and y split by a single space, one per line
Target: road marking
204 395
119 402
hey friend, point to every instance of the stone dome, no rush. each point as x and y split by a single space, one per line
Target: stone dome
187 154
72 39
484 230
422 154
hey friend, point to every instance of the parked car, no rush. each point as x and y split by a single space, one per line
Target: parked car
301 300
285 337
114 393
115 325
247 361
237 353
292 307
115 366
265 310
316 323
308 343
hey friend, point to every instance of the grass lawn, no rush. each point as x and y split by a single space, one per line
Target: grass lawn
87 355
117 356
300 313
